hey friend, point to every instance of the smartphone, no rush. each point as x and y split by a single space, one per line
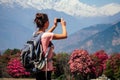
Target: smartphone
58 20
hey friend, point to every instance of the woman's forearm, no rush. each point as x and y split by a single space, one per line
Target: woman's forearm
52 28
64 32
63 35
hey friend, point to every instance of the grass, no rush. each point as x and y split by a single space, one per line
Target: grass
17 79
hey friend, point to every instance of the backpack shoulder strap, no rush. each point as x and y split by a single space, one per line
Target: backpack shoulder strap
37 37
40 46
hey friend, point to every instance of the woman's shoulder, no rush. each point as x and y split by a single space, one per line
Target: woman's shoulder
47 34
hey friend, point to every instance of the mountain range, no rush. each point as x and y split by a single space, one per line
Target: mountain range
99 37
108 40
74 8
17 26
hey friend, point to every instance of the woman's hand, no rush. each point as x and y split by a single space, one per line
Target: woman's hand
63 23
63 35
54 26
55 22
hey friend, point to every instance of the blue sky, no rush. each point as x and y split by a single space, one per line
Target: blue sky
99 3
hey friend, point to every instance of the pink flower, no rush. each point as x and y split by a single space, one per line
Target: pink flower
15 68
99 58
80 62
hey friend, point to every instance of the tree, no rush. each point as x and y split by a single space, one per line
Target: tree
61 64
99 58
15 68
4 58
113 67
80 64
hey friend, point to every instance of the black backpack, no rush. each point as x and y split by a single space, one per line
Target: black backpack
32 56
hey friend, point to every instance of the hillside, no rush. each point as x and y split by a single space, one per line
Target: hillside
73 41
108 40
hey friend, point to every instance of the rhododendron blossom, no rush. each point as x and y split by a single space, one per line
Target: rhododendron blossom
15 68
80 62
99 58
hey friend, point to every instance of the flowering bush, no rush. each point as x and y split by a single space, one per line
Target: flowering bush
113 67
15 68
80 63
99 58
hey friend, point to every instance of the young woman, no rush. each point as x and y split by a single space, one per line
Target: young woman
42 23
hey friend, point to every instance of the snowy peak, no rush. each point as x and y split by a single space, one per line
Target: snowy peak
71 7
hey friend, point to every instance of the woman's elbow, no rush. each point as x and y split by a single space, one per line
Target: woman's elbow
65 36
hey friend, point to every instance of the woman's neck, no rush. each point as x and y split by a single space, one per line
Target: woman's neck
41 30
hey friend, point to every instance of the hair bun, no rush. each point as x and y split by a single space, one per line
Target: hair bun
39 16
40 19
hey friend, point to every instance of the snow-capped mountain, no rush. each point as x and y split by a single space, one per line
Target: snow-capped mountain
70 7
17 16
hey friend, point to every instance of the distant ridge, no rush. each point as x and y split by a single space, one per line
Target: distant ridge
73 41
108 40
100 37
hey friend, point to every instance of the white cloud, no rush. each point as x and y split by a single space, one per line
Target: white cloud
71 7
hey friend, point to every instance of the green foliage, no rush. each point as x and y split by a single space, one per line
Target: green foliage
61 77
11 52
61 64
8 51
113 67
0 71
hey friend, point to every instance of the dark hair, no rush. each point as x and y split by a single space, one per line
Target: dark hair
40 19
